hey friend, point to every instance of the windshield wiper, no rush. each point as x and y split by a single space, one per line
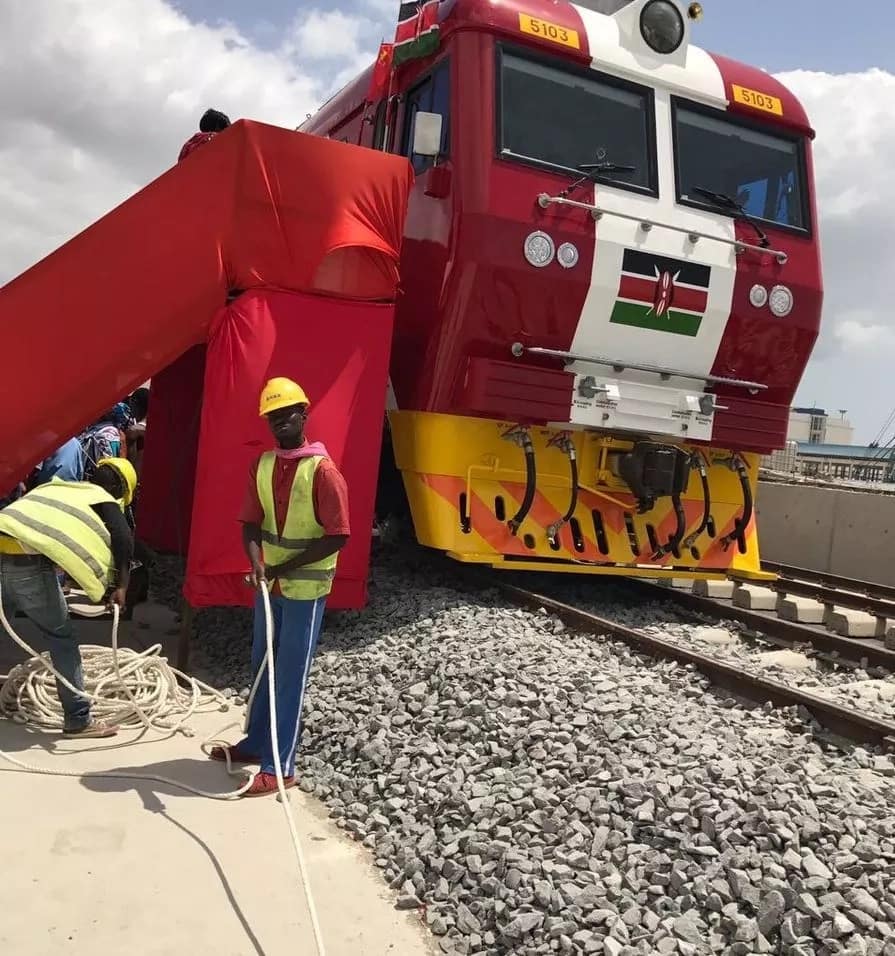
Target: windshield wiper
592 173
723 201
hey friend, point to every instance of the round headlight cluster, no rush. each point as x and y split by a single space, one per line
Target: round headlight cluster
662 26
539 250
779 300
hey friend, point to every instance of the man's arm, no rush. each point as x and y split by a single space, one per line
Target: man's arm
251 542
122 545
251 514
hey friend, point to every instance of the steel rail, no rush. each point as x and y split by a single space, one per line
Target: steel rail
836 718
787 632
835 581
834 597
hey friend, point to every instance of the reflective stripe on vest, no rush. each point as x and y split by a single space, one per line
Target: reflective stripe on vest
57 520
301 528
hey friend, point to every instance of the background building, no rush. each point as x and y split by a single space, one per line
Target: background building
815 426
819 445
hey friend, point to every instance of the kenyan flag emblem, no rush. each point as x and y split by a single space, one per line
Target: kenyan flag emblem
661 294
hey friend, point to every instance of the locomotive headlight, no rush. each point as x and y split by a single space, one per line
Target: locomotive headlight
781 301
758 296
567 255
539 250
662 26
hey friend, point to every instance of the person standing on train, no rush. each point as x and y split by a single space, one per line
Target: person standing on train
212 123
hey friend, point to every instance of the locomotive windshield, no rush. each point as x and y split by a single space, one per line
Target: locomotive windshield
562 119
761 172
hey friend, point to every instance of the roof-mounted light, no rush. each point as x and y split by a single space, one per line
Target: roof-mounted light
662 26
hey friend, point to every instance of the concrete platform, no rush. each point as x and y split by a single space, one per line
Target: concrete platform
754 598
719 590
111 866
850 623
802 610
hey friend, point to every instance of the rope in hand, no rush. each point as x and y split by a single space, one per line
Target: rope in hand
141 690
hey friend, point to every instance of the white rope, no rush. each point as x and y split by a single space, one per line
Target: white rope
141 690
275 744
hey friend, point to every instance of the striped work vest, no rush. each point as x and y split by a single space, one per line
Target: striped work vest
301 528
57 520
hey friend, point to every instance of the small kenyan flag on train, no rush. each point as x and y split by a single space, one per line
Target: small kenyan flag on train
417 33
661 294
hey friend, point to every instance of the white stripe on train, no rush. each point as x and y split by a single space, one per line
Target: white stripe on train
692 74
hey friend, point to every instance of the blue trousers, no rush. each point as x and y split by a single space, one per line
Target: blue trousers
30 585
296 630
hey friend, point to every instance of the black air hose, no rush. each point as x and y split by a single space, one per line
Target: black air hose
573 478
530 482
674 542
706 503
553 530
741 523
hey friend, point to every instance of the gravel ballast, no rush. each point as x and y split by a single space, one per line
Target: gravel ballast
535 791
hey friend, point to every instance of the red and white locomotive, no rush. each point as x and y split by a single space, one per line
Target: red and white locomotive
611 284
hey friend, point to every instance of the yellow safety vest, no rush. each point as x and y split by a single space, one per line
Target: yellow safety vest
314 580
57 520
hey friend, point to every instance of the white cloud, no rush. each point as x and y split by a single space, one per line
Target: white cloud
859 331
855 127
96 99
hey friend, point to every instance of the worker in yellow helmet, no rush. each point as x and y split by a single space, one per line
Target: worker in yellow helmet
79 527
295 522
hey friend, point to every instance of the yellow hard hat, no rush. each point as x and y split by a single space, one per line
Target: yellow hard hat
128 475
282 393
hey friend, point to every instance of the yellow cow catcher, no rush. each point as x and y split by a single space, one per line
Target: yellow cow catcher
295 522
79 527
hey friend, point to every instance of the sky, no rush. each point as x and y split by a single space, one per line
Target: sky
96 98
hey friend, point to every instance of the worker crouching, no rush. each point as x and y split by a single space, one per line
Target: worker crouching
79 527
295 522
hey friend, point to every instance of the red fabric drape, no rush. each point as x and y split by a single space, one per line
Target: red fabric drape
164 506
257 206
338 351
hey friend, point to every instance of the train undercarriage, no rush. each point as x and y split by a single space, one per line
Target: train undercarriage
549 499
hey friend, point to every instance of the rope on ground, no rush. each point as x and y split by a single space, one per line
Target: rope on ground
141 690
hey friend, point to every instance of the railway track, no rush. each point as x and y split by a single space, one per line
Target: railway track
830 594
850 723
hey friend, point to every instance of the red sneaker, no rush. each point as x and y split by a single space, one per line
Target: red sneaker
265 784
236 755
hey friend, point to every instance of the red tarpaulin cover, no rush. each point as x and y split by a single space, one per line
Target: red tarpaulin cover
257 206
338 351
168 476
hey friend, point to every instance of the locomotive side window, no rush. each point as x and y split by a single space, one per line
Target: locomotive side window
433 95
379 125
746 169
561 118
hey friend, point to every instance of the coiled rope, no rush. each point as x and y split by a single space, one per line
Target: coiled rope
141 690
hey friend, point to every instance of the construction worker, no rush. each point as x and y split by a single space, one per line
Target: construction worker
295 522
79 527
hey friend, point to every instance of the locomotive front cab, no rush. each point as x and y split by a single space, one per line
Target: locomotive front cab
612 290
